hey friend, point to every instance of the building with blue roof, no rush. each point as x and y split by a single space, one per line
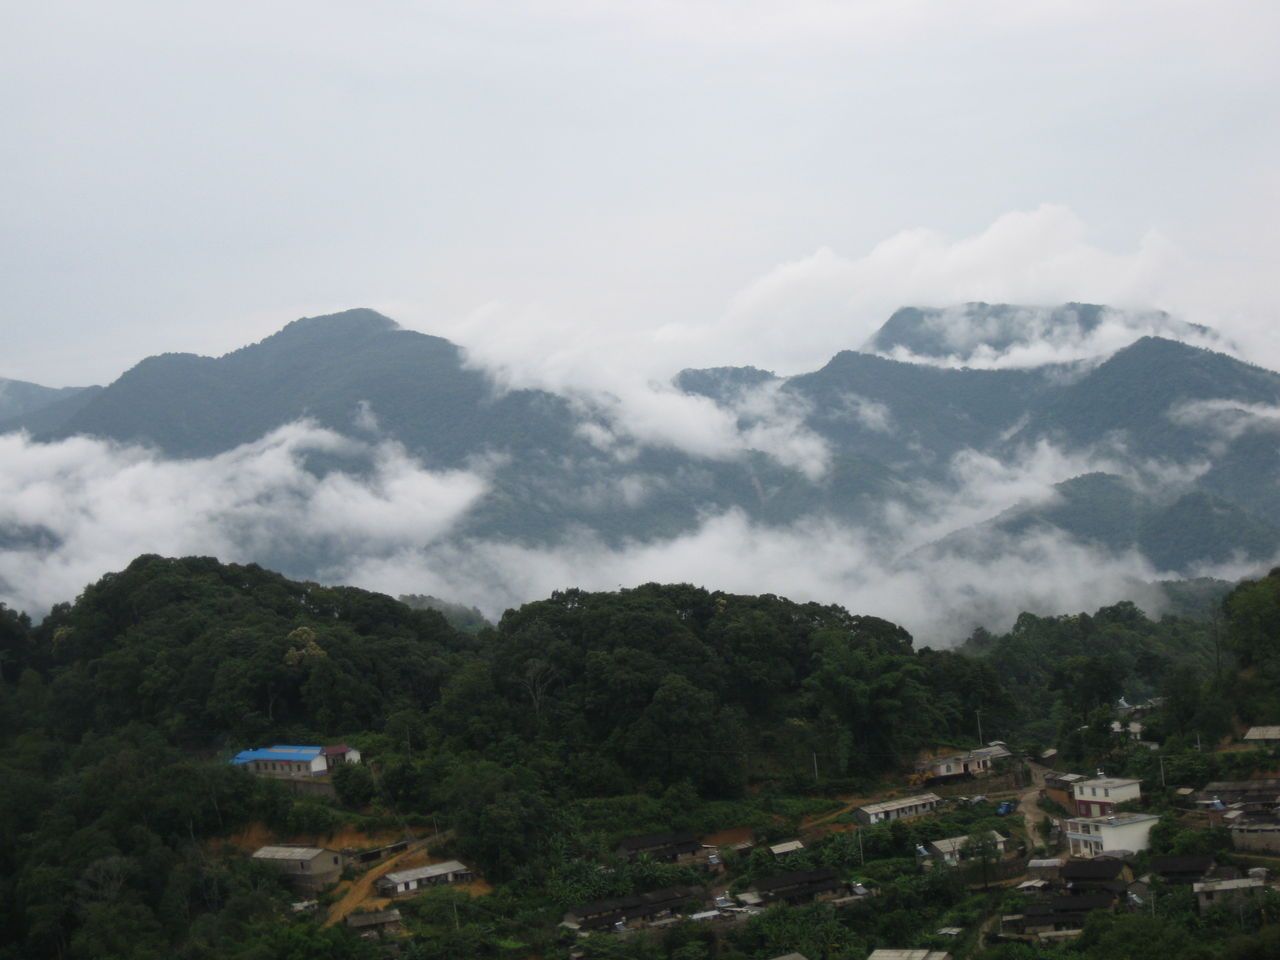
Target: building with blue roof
283 760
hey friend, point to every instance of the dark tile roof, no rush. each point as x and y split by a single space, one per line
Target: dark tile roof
647 841
1104 869
1167 865
634 905
797 883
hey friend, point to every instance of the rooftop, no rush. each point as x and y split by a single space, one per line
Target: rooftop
431 870
885 806
1263 733
374 919
955 844
1109 782
287 853
1216 886
1122 819
909 955
791 846
302 754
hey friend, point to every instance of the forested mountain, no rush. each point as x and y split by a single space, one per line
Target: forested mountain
963 333
537 743
20 400
1187 431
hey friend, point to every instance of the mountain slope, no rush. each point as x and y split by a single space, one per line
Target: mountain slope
20 399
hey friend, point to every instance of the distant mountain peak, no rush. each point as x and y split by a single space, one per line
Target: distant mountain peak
357 321
978 330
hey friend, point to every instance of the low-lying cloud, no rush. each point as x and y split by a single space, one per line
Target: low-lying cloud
312 503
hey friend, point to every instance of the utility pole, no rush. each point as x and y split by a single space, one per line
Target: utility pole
1161 759
1197 739
815 766
862 857
980 740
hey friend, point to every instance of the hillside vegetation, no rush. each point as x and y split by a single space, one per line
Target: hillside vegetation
577 719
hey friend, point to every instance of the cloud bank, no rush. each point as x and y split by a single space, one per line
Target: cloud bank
312 503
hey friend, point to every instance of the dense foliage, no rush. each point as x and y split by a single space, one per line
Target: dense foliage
536 744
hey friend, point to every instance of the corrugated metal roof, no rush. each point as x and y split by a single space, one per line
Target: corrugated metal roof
887 805
434 870
287 853
1263 733
299 754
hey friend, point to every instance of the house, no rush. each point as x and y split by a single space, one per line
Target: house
909 955
283 760
1253 796
799 886
338 754
973 763
1060 788
1182 870
1048 869
1103 875
1099 796
1210 892
951 850
634 910
1256 835
377 924
782 849
681 847
306 868
1129 730
405 882
1060 914
1092 836
907 808
1263 736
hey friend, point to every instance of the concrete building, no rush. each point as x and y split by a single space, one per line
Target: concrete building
306 868
952 850
1211 892
1256 836
972 763
1100 796
909 955
1092 836
907 808
290 761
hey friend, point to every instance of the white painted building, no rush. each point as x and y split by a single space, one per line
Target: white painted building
907 808
1091 836
1098 797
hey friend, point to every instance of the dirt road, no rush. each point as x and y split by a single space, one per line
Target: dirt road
1029 804
360 893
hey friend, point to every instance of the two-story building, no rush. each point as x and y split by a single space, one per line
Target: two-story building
1092 836
1100 796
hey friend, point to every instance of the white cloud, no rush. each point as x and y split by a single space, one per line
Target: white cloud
1228 419
96 506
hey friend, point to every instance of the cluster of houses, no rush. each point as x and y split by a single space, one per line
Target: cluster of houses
1096 826
1250 809
1064 892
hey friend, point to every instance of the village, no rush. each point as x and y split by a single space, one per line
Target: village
1061 845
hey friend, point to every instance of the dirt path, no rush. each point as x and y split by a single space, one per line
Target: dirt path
360 893
848 805
1029 806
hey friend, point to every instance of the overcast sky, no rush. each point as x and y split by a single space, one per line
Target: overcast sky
679 182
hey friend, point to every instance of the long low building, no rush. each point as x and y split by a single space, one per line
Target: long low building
907 808
952 850
404 882
632 910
